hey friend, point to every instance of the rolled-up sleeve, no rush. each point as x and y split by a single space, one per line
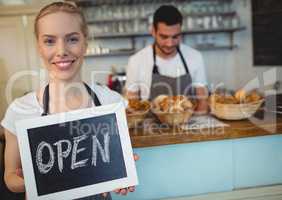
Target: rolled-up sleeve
200 78
132 75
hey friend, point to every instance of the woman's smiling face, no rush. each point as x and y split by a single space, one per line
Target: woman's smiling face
62 45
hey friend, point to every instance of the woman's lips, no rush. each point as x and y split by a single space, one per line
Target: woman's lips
64 65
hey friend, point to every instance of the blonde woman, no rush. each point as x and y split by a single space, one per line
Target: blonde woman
61 33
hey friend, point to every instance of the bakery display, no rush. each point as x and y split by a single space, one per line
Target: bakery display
136 112
241 105
172 104
172 110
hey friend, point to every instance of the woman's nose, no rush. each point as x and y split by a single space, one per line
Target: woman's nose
61 49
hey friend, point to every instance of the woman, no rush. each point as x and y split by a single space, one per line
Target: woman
61 33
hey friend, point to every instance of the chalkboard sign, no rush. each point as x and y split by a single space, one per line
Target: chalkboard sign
76 154
267 32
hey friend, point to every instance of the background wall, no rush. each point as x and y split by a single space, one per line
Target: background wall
233 68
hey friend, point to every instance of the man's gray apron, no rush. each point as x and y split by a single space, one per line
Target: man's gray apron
181 85
97 103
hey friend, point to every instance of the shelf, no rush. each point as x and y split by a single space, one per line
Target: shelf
95 3
114 53
87 3
207 48
97 21
121 35
218 30
132 51
140 34
231 13
144 18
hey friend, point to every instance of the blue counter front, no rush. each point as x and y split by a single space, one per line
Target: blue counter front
204 167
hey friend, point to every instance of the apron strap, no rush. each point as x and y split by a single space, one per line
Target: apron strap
183 60
46 98
155 67
46 101
93 95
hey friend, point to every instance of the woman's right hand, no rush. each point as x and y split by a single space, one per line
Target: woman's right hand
13 172
19 172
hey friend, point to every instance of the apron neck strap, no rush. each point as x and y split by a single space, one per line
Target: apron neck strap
46 98
46 101
155 67
183 60
93 95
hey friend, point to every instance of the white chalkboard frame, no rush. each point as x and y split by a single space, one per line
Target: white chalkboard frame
26 159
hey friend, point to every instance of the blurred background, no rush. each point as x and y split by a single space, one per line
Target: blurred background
233 35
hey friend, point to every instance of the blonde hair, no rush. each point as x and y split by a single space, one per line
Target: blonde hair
61 7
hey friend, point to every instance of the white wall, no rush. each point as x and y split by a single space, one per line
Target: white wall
234 68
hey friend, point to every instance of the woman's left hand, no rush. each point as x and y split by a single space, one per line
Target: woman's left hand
124 191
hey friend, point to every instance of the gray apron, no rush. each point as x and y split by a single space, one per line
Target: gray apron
46 112
161 84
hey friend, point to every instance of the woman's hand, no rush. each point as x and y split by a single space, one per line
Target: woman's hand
19 172
124 191
13 175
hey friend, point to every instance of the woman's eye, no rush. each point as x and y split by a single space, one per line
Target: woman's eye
49 41
73 40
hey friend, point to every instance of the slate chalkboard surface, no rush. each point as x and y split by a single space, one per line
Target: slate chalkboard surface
79 153
267 32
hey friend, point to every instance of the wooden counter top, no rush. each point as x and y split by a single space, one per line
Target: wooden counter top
155 134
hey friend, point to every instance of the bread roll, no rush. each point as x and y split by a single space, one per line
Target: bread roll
178 103
240 95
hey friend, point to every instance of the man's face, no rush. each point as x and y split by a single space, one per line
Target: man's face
167 38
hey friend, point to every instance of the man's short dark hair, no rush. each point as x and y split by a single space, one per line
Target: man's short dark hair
167 14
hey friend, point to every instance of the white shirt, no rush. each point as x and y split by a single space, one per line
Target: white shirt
28 106
140 67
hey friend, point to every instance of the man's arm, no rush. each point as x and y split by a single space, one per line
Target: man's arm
131 89
132 95
202 100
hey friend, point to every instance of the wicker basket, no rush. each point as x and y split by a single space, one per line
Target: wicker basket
174 119
134 119
138 116
235 111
